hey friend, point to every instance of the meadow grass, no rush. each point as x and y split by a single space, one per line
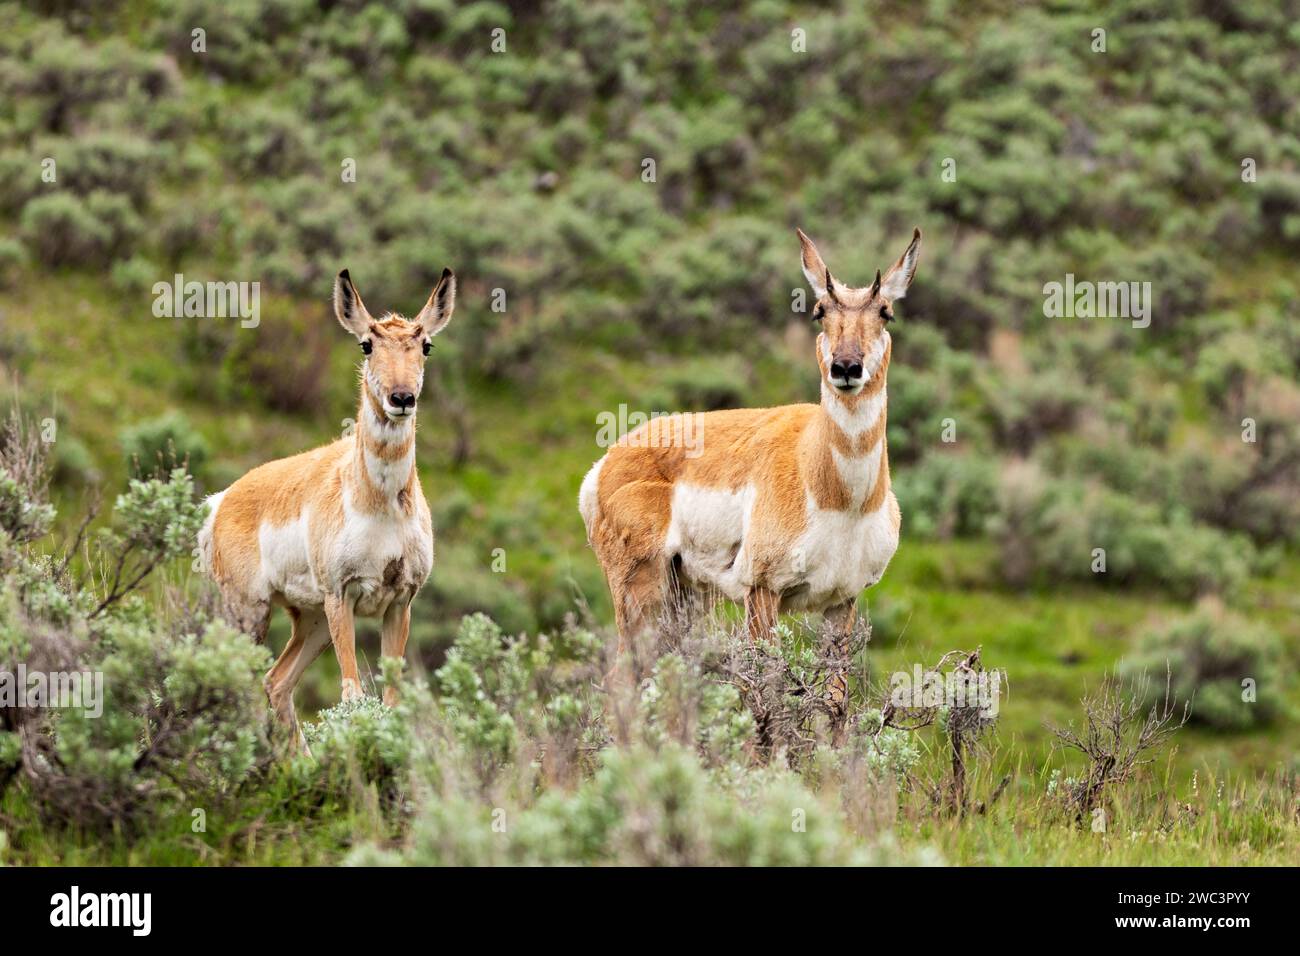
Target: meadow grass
1222 798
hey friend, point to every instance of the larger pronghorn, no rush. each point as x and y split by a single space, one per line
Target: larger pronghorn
785 508
342 530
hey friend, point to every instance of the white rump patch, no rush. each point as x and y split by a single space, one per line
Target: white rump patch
205 533
587 497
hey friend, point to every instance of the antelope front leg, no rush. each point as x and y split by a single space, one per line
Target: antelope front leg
762 608
840 620
397 628
338 609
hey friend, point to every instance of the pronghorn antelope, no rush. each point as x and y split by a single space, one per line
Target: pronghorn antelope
342 530
783 509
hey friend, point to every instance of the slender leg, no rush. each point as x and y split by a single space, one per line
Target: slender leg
762 609
840 619
638 607
311 635
629 621
342 631
397 628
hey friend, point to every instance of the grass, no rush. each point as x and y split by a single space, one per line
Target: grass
1210 822
98 355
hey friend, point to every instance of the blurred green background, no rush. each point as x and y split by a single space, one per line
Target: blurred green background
523 170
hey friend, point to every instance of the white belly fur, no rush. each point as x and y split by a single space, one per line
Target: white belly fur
708 529
359 559
286 563
838 554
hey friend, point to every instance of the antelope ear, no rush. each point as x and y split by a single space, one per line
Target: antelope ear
814 270
900 273
442 302
349 308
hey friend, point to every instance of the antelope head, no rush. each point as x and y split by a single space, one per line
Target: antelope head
854 339
394 347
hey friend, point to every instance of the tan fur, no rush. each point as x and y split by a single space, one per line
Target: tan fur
344 529
792 460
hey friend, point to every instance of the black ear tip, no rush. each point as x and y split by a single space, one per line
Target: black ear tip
343 274
916 234
448 274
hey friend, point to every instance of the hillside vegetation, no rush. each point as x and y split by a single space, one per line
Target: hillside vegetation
1024 153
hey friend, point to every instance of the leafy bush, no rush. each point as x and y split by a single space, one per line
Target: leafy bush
494 692
683 705
643 807
705 385
1048 526
948 495
1210 656
162 443
183 724
13 256
354 747
284 365
171 716
64 230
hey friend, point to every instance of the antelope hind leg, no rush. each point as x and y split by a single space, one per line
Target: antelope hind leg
311 635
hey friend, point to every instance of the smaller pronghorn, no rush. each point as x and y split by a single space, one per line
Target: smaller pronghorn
784 509
343 530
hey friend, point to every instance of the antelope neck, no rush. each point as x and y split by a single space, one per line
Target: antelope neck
385 453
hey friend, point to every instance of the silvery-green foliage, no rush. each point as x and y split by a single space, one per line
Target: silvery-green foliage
684 705
178 716
885 751
643 806
1208 654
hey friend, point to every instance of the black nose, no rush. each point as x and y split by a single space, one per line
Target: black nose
402 400
848 369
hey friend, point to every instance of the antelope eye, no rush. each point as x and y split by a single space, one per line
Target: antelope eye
819 313
427 347
366 347
886 315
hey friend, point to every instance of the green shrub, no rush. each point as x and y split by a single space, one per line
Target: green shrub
1054 527
1209 656
23 516
643 807
162 443
13 256
705 385
682 704
63 230
948 495
177 715
184 723
354 746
